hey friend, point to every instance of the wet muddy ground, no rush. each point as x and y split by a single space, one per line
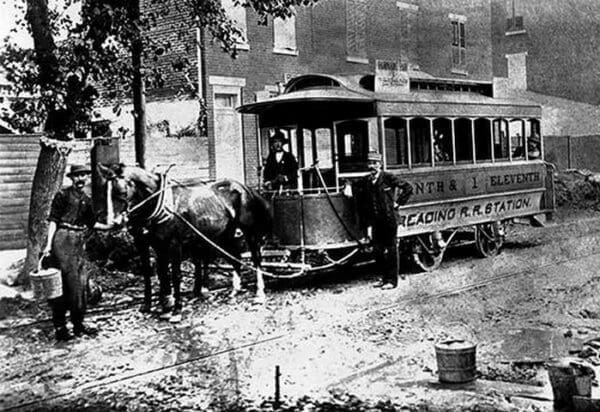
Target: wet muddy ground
338 341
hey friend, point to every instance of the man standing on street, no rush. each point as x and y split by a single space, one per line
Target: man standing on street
382 193
70 217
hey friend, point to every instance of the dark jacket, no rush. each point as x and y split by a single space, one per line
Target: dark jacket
277 172
72 207
377 200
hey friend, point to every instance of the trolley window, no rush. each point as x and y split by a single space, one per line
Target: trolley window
308 155
396 151
501 146
534 142
353 144
324 149
517 139
420 142
483 140
464 140
442 141
317 144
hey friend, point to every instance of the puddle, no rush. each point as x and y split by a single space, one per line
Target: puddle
537 345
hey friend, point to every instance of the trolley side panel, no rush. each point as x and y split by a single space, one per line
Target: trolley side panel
309 220
415 219
461 182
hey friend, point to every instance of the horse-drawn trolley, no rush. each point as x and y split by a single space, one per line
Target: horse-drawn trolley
475 163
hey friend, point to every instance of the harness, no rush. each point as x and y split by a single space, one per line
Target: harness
164 203
162 211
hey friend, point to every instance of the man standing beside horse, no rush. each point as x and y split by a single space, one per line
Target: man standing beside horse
70 218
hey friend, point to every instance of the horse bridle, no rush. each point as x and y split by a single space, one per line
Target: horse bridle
161 212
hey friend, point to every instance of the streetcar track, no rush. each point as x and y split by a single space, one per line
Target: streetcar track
111 380
123 307
300 332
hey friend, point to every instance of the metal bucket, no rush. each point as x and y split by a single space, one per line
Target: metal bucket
569 377
46 283
456 360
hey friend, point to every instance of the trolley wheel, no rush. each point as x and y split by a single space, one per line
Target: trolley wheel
425 256
487 239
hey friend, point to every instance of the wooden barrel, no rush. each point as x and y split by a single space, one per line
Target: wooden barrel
456 361
569 377
46 283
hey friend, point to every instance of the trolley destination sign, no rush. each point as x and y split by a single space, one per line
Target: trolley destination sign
416 218
449 184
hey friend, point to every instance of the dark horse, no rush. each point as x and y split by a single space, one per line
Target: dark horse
160 216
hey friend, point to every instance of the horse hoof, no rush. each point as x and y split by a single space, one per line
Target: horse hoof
168 302
175 318
165 316
260 299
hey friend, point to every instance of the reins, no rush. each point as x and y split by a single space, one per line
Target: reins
165 186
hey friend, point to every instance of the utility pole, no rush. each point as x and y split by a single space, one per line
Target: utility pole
138 88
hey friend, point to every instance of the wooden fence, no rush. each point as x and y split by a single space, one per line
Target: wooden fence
18 158
573 152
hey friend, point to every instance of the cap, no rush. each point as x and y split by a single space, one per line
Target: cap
374 156
77 169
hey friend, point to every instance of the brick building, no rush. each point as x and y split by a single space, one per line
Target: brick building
448 40
561 38
478 40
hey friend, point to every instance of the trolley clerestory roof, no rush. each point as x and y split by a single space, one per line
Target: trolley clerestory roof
316 98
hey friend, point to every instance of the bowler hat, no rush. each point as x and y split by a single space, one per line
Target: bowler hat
279 136
78 169
374 156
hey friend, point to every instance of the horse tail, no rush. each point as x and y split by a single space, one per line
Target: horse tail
261 210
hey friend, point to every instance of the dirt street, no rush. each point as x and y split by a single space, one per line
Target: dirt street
338 342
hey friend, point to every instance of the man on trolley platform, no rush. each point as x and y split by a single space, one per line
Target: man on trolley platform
281 168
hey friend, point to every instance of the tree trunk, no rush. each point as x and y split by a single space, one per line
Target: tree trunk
46 182
51 164
43 42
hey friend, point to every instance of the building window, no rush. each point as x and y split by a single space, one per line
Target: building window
406 31
238 15
284 35
514 23
356 30
459 49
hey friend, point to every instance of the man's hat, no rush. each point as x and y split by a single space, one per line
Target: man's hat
78 169
374 156
278 135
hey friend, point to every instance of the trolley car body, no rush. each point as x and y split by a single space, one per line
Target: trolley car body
486 168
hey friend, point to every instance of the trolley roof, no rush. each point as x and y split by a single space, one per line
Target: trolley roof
313 97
